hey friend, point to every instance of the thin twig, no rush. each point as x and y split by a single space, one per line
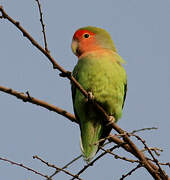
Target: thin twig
27 98
154 149
161 172
125 146
43 25
23 166
66 166
164 164
119 157
138 153
55 167
130 172
92 162
143 129
102 140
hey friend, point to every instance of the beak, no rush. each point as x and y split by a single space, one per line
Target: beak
74 46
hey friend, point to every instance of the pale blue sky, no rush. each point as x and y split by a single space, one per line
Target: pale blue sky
141 32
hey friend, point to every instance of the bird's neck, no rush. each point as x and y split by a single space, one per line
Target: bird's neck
96 52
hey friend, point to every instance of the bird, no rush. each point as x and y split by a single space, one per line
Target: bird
100 72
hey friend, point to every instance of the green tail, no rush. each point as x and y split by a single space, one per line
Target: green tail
91 132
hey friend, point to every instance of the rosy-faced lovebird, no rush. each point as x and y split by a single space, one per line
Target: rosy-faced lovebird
101 74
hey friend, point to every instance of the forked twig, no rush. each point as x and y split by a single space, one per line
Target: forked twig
130 172
55 167
154 149
92 162
119 157
161 172
66 166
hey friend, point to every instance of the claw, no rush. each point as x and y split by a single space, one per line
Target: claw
111 120
90 96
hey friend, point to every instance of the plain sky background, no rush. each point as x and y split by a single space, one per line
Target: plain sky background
141 32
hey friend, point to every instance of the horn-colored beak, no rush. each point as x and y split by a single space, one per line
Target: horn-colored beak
74 46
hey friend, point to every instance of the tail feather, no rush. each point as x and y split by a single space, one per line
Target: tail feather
90 136
88 157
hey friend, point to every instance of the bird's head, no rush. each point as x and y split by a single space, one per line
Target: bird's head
90 39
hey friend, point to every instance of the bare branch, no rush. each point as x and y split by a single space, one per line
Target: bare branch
158 170
27 98
92 162
143 129
119 157
154 149
23 166
130 172
138 153
164 164
55 167
157 173
43 25
126 147
66 166
161 172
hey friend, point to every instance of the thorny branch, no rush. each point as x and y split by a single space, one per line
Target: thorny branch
156 171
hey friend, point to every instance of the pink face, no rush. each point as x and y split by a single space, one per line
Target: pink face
84 41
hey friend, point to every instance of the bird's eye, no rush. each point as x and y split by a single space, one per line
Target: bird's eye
86 35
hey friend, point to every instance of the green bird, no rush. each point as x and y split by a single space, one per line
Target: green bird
100 73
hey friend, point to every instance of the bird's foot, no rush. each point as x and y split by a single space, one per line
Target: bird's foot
111 120
90 97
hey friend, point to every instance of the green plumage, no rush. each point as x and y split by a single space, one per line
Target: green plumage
101 73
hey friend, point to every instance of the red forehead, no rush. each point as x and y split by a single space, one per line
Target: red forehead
79 33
